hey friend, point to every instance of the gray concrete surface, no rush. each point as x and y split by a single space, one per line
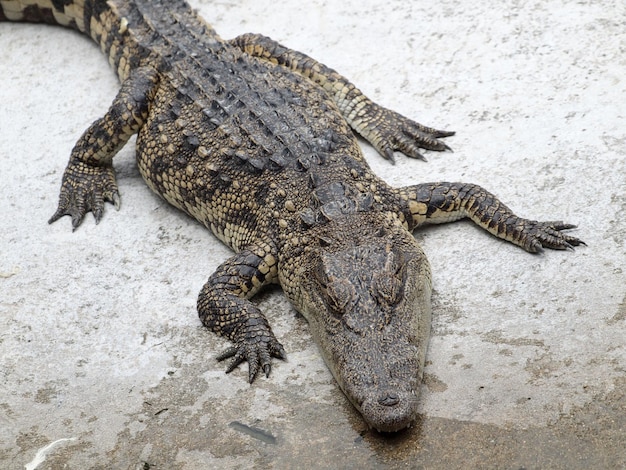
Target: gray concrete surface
103 362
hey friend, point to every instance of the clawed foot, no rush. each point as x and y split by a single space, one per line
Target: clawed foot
86 188
540 235
257 348
389 131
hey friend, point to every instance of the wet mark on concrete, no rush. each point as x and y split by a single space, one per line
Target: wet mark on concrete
50 391
591 436
544 366
620 315
434 383
253 431
496 337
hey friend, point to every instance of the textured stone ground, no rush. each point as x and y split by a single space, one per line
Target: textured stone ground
99 339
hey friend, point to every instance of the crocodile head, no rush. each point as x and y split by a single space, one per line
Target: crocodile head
368 307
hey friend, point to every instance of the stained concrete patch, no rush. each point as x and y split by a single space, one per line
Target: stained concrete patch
99 339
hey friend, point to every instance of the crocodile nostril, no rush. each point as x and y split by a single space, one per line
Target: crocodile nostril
389 399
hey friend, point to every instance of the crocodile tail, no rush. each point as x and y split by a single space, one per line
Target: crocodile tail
98 19
68 13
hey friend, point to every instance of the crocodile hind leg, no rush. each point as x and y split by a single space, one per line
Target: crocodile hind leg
224 308
433 203
385 129
89 179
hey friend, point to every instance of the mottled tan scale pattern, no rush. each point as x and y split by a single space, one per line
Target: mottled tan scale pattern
256 142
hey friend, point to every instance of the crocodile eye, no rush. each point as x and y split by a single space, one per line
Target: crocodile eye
388 283
340 294
387 288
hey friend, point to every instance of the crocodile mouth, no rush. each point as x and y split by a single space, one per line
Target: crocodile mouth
380 374
390 410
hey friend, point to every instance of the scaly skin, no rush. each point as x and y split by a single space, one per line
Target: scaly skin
256 142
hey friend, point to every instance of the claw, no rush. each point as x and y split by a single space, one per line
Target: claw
388 154
562 226
390 131
253 368
76 221
85 188
253 355
56 216
549 235
438 134
230 352
536 247
234 364
238 358
115 199
97 214
279 352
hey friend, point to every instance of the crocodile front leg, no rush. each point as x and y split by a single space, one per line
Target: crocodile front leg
385 129
89 179
224 308
433 203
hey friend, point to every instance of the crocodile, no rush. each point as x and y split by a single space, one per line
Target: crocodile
257 142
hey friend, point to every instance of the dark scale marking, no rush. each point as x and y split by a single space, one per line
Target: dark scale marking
175 109
34 14
61 4
192 142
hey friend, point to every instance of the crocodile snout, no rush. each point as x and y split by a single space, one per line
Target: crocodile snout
390 411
